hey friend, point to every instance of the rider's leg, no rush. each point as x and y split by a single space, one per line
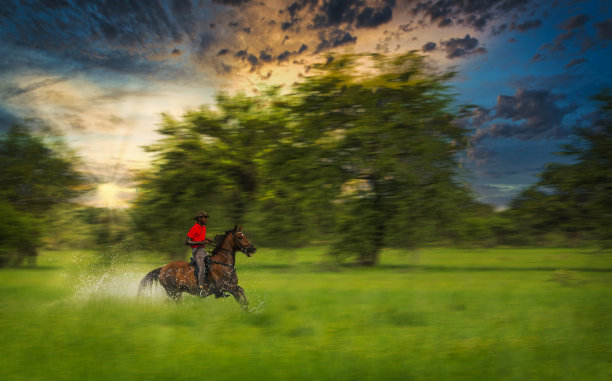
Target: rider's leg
198 257
201 270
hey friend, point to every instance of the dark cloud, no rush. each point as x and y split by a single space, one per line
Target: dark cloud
445 22
498 29
334 39
461 47
235 25
145 38
284 56
523 27
537 57
526 115
604 29
265 57
428 47
574 31
574 63
474 13
370 17
479 23
294 11
409 27
241 54
332 13
252 60
575 22
560 41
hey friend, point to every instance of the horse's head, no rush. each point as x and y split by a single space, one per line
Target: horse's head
241 243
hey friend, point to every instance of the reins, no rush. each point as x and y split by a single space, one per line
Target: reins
217 249
220 263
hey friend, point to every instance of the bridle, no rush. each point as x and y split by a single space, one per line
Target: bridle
246 249
238 246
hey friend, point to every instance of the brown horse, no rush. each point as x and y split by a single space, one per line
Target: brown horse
179 277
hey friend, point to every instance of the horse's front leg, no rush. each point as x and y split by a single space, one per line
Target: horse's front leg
239 295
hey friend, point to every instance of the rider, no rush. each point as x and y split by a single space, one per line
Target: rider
196 238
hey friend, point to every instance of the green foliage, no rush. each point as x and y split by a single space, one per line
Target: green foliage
208 161
19 233
574 199
84 227
386 131
363 151
37 173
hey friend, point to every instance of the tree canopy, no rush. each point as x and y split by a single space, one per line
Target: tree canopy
37 172
575 199
363 151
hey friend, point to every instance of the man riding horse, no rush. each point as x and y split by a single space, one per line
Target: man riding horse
196 238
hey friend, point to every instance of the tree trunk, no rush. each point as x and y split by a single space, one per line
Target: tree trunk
369 258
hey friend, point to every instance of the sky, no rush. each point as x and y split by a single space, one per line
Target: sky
103 71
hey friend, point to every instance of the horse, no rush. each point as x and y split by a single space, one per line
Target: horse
178 277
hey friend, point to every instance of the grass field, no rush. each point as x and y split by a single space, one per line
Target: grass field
431 314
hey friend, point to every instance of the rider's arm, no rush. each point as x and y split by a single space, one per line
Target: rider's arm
190 242
191 234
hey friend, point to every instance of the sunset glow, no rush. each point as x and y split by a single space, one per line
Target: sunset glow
102 73
111 196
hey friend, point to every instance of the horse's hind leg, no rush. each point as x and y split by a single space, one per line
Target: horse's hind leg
175 296
240 297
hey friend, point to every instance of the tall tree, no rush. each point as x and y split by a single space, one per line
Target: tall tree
575 198
37 172
207 160
385 137
364 153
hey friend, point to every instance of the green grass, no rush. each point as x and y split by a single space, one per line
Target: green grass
431 314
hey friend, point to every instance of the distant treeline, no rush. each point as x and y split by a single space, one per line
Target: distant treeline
362 154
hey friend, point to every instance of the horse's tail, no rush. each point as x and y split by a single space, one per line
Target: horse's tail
148 280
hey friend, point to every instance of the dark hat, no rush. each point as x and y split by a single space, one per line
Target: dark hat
201 214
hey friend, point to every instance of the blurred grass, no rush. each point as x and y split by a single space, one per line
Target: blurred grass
430 314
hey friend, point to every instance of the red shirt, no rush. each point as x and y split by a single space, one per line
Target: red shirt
197 233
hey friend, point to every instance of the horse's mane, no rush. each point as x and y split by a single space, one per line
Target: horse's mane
218 240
